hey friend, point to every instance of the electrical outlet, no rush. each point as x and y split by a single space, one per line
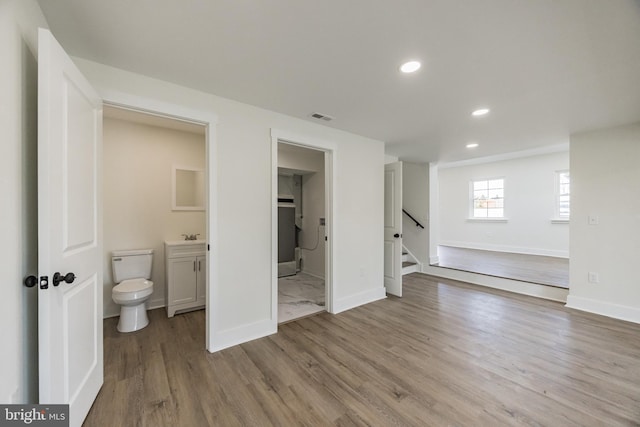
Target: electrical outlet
594 220
594 277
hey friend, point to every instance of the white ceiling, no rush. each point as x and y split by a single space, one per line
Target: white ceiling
546 68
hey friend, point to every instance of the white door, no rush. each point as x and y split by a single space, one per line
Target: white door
69 232
393 228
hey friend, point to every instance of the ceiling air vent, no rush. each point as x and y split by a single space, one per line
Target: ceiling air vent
321 117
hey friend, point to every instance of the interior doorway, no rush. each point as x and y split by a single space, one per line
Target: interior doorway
309 162
149 204
301 232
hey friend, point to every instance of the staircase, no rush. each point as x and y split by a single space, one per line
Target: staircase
409 265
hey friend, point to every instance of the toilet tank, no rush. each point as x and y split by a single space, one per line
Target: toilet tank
135 264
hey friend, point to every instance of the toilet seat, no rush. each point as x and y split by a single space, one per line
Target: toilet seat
132 289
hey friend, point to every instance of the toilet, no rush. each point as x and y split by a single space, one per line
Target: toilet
131 272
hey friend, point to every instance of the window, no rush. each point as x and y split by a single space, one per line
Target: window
488 198
563 194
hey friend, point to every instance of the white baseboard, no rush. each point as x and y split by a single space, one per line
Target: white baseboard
524 288
411 269
159 303
109 314
617 311
362 298
506 248
242 334
312 274
286 268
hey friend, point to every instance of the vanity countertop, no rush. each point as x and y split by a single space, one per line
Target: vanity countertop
185 242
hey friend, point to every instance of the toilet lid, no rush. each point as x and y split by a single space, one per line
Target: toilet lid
133 285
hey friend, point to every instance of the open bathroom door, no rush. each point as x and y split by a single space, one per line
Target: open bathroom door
69 233
393 228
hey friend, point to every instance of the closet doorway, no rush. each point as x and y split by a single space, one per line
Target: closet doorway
302 263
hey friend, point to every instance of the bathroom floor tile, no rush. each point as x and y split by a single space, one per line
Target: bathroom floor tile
299 296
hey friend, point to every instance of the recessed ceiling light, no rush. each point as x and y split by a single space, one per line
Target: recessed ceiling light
480 112
472 145
410 67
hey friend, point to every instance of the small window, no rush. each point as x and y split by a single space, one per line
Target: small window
563 194
488 198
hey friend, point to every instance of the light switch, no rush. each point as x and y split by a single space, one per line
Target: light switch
593 220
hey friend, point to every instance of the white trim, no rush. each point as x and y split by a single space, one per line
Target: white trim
616 311
524 288
330 158
356 300
242 334
556 194
434 214
108 315
502 219
411 269
273 316
506 248
311 274
302 140
157 108
209 120
156 303
559 148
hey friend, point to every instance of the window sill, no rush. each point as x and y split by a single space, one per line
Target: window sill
487 219
559 220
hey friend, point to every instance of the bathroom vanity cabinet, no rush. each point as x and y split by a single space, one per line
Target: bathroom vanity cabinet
185 275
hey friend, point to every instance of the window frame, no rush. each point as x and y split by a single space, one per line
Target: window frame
487 218
558 217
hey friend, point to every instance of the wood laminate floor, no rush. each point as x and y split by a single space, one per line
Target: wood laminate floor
447 353
543 270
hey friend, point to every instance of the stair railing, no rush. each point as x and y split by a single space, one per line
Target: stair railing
412 218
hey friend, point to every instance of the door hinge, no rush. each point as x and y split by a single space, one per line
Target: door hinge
44 282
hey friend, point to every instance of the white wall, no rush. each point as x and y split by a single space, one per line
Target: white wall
242 295
415 199
19 20
605 179
529 207
138 160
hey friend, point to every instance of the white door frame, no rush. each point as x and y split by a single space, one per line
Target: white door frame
209 121
330 150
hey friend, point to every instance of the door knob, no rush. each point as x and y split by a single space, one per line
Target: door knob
67 278
396 235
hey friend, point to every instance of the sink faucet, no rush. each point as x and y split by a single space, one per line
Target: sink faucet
190 236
